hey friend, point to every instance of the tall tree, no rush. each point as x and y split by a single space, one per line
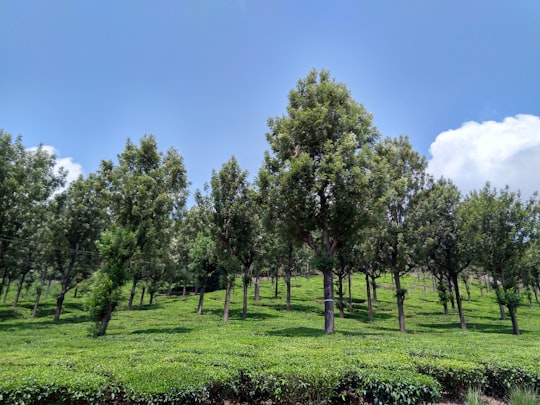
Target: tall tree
405 177
501 225
77 220
28 178
441 238
316 167
146 191
233 226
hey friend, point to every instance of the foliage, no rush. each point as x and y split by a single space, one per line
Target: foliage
523 396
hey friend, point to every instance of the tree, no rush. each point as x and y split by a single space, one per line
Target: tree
501 225
146 191
233 226
28 178
316 169
77 219
202 249
442 241
405 176
117 248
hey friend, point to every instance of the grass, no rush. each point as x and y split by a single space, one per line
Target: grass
523 396
169 348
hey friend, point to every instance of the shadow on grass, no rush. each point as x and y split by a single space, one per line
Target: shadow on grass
43 324
237 314
9 313
472 326
178 329
300 331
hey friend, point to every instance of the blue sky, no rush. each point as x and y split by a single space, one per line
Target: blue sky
460 77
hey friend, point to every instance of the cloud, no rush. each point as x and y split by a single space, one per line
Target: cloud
503 153
74 170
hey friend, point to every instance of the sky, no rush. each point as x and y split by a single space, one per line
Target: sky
460 78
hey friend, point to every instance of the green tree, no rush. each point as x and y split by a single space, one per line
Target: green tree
405 177
28 179
146 191
233 226
317 172
442 241
76 221
117 247
501 225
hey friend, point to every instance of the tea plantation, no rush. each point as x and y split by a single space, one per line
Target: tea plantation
166 353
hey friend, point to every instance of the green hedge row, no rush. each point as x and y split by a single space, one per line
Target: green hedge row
38 385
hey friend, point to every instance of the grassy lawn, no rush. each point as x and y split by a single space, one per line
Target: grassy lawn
168 351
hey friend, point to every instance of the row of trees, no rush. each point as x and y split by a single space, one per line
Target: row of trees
331 194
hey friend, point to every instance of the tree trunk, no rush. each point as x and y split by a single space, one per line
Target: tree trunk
462 322
184 289
59 303
227 299
105 321
276 291
513 317
288 285
132 294
152 295
169 287
445 307
8 284
400 297
350 293
201 301
373 285
368 294
19 289
38 297
341 294
257 285
245 284
328 279
75 292
49 284
143 291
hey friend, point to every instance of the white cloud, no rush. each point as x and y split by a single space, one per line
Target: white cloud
74 170
503 153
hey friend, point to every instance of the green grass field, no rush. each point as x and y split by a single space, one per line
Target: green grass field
167 353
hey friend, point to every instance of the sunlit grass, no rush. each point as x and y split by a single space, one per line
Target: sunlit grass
154 348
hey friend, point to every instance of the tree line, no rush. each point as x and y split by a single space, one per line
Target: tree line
331 194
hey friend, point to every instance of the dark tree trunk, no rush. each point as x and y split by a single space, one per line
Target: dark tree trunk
328 284
368 294
38 297
462 322
201 300
350 293
106 319
75 292
288 288
169 287
245 285
227 300
132 293
400 298
445 307
59 303
373 285
8 284
257 285
143 291
152 295
513 317
19 289
276 289
341 294
184 289
49 284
